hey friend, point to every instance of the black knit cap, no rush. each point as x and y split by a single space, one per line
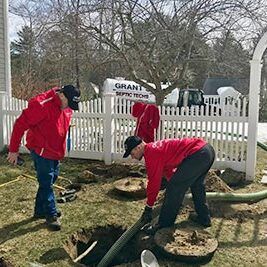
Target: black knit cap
73 95
130 143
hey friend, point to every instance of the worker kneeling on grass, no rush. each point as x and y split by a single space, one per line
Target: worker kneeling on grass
185 163
47 119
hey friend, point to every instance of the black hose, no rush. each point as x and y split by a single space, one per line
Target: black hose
118 245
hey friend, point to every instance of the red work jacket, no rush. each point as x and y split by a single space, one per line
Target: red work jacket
147 120
46 125
163 157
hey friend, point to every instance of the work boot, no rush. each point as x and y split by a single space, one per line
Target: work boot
203 222
37 216
53 223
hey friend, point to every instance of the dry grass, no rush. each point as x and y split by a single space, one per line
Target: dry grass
23 240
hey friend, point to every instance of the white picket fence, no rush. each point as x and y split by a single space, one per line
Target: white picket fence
101 126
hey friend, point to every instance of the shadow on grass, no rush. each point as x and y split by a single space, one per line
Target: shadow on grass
240 244
54 254
18 229
255 241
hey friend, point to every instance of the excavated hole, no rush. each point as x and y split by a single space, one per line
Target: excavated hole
105 237
182 244
5 263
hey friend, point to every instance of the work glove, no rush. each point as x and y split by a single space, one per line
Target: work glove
147 215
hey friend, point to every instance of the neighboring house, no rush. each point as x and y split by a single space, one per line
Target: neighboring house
212 84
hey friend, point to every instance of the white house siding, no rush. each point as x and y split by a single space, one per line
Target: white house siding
4 49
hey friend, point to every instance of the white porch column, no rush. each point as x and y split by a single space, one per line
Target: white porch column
253 116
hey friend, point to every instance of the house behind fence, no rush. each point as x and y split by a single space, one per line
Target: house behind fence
101 125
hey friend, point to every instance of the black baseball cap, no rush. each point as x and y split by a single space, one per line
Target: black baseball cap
130 143
73 95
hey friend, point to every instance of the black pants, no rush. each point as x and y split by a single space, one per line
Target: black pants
190 174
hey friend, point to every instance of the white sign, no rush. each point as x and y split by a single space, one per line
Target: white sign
128 89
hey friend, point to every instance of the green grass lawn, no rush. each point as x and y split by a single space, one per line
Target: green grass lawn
23 240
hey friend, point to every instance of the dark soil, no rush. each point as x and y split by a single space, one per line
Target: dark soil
118 170
186 244
215 184
233 178
5 263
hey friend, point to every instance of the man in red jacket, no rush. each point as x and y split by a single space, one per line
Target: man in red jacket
147 120
184 163
46 120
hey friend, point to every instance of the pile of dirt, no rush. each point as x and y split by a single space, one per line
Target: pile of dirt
214 183
232 177
114 170
117 170
131 187
87 177
186 244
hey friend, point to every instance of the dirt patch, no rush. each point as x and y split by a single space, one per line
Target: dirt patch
114 170
186 244
117 170
87 177
5 263
214 183
131 187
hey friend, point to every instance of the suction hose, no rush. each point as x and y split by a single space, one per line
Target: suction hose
262 145
118 245
234 197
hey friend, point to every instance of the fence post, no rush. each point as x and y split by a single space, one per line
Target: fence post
108 127
2 144
253 115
